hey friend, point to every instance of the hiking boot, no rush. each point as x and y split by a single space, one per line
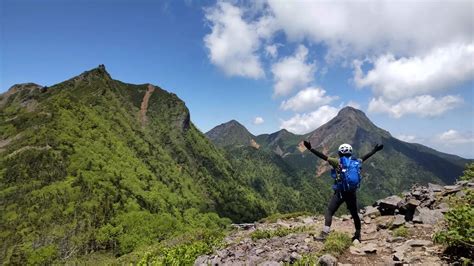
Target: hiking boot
322 236
356 236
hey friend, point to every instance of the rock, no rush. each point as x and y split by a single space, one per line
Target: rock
307 220
371 212
452 189
384 222
367 220
270 263
202 261
462 183
418 243
435 187
355 251
369 248
294 256
395 239
417 194
398 256
259 251
412 203
327 260
346 217
246 226
388 205
399 220
470 184
371 229
427 216
460 194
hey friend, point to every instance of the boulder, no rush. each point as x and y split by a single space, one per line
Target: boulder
398 221
371 211
427 216
435 187
388 205
369 248
418 243
327 260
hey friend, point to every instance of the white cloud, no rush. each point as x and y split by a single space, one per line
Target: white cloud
423 106
306 99
407 138
373 26
438 70
233 42
272 50
292 72
354 104
307 122
452 137
258 120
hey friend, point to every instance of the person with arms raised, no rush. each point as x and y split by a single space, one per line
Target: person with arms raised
346 174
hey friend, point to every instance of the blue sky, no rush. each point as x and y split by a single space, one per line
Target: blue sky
258 63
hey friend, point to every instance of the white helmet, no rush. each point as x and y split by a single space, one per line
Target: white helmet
345 149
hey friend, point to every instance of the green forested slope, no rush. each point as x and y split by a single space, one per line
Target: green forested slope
81 171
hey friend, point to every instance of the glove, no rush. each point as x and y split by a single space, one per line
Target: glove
307 145
378 147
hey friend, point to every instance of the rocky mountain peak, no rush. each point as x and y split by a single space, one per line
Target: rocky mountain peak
99 72
230 133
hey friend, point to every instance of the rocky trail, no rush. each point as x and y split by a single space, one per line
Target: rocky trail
395 230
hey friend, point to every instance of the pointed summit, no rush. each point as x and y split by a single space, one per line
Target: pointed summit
349 126
230 133
99 72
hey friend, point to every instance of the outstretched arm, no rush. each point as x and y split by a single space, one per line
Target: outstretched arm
317 153
376 148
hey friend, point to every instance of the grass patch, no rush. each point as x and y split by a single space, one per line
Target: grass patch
400 231
337 243
280 232
283 216
307 259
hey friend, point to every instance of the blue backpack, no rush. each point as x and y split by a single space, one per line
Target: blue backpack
348 178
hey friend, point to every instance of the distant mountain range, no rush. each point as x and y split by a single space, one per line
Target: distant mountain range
395 168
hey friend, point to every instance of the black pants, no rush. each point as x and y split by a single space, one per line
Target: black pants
337 199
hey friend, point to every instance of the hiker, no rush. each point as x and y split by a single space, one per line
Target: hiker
346 172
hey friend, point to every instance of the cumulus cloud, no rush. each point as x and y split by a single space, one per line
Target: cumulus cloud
271 50
407 138
293 72
372 26
258 120
452 136
233 42
423 106
307 122
438 70
306 99
354 104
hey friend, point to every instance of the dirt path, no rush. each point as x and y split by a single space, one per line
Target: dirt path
144 105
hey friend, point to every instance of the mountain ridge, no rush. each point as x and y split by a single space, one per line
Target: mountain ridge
400 163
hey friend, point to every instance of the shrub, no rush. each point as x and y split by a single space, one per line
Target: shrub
400 231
